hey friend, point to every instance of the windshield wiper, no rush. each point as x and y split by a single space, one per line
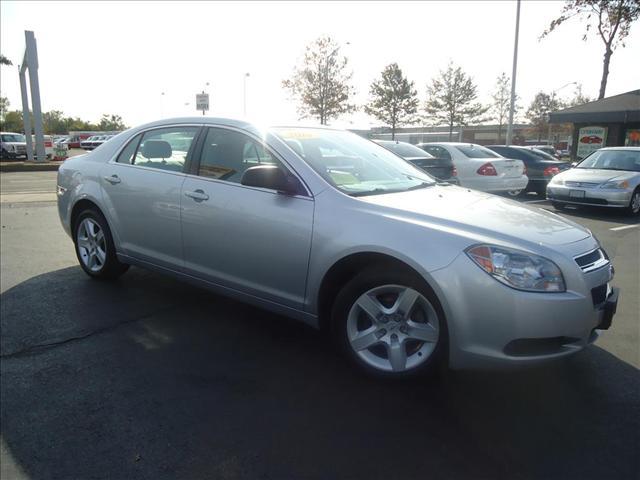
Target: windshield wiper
375 191
420 185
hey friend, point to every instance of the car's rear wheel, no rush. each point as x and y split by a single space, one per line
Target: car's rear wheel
514 193
634 203
94 246
389 324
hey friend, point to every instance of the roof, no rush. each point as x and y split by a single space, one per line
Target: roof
621 108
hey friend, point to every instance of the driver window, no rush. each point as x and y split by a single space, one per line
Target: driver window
226 154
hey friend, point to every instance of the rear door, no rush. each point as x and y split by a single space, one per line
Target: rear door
141 189
252 240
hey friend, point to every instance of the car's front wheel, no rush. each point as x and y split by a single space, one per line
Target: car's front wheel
389 324
94 246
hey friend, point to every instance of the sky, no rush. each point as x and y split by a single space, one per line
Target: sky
120 57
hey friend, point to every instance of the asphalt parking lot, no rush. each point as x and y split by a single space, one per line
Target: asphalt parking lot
148 377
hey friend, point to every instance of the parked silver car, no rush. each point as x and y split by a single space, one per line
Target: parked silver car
331 229
609 177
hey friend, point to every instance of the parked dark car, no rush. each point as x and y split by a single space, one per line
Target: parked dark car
440 168
539 169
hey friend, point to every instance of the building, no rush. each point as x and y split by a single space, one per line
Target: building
480 134
610 122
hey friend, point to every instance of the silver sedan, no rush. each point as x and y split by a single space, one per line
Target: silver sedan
331 229
609 177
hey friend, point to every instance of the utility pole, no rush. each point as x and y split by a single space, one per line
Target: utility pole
513 77
244 94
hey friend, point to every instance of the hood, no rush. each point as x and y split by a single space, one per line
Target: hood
594 175
482 213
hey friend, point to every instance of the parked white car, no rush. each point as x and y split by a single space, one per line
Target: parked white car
480 168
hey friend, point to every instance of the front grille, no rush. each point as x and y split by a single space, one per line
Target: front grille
599 294
570 183
567 198
592 260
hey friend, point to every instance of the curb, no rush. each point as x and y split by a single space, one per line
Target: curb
29 166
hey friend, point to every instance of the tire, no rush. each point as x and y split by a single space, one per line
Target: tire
515 193
634 204
558 206
94 246
384 342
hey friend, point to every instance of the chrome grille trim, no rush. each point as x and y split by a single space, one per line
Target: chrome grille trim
592 260
571 183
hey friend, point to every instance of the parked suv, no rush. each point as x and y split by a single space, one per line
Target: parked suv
13 145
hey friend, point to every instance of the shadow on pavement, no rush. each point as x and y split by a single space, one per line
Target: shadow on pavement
151 378
598 213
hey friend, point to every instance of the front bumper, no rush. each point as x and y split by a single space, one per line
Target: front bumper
494 326
592 196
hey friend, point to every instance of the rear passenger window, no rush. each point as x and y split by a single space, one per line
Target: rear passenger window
165 148
126 155
438 152
226 154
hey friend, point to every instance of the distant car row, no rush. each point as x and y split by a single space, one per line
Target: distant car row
609 177
13 146
95 141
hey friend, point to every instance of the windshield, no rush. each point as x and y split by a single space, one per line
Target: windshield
613 160
405 150
476 151
13 137
352 164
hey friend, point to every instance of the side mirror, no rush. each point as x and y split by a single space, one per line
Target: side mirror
574 164
272 177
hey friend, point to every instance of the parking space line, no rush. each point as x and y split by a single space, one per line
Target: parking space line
624 227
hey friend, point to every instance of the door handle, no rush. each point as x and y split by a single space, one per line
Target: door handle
197 195
113 179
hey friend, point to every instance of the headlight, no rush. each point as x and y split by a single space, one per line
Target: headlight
621 184
517 269
556 181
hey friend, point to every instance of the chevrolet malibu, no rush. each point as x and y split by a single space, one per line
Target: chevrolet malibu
321 225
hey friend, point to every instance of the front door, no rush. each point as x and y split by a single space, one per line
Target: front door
253 240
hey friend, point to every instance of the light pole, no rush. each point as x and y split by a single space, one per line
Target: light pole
553 96
513 78
244 94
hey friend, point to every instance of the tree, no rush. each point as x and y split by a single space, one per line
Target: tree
111 122
538 112
394 100
451 99
613 19
4 107
502 102
54 122
321 84
579 98
12 122
4 60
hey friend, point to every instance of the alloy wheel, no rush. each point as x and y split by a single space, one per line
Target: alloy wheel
393 328
635 203
91 245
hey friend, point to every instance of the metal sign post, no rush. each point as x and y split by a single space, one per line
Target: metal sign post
30 64
202 102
